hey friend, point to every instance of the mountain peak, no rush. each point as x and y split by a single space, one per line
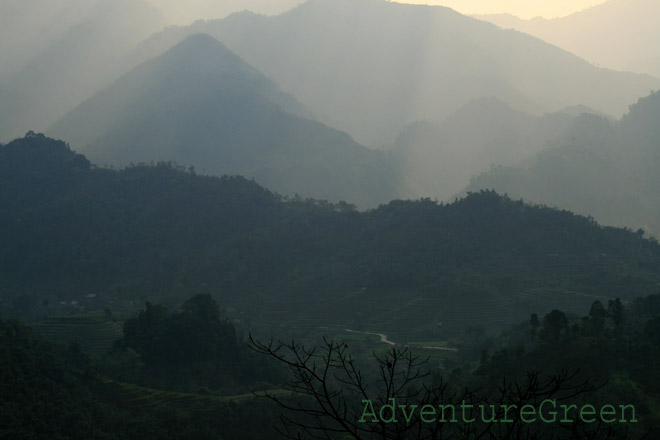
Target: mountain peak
201 52
199 41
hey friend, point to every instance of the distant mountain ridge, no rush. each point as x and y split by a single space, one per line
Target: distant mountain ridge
369 67
201 105
607 169
71 63
438 159
618 34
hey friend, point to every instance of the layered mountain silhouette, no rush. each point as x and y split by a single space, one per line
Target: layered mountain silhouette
606 169
186 12
438 159
200 105
370 67
156 233
66 63
27 27
619 34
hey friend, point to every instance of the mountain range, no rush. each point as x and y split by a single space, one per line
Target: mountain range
370 67
51 68
179 13
200 105
157 233
618 34
447 96
438 159
598 167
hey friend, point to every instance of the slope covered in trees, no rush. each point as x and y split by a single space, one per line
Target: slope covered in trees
157 233
48 392
597 167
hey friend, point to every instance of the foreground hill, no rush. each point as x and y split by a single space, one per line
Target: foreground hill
601 168
155 233
49 391
201 105
369 67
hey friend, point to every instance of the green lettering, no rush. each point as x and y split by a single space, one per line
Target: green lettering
623 411
588 410
527 410
389 406
408 417
552 413
607 410
506 409
427 410
492 414
463 407
566 409
453 413
369 406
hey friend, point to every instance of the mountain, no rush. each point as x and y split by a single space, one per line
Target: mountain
27 27
598 167
619 34
438 159
155 233
185 13
370 67
67 65
201 105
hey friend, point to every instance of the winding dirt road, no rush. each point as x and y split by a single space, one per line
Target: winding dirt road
383 338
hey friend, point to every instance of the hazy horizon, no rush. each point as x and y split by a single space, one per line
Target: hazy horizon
436 202
180 14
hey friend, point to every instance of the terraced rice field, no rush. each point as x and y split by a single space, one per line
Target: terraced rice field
94 333
140 398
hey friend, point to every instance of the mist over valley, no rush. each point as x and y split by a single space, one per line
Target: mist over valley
246 219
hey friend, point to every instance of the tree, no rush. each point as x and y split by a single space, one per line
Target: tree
597 315
615 312
555 325
333 398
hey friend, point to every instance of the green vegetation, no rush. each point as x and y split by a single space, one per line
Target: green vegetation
615 347
49 392
603 363
409 269
86 248
608 170
152 288
190 349
94 333
170 362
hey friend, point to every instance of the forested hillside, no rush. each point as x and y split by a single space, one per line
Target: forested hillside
605 169
158 233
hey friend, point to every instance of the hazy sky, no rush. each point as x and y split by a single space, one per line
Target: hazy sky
185 12
520 8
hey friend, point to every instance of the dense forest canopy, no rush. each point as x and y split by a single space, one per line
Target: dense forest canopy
358 219
607 169
70 229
